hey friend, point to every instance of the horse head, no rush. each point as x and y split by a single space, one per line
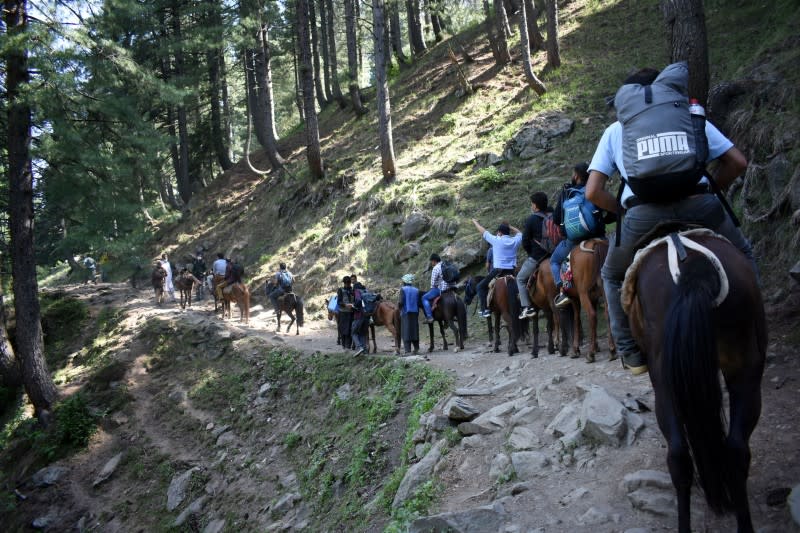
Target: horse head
471 288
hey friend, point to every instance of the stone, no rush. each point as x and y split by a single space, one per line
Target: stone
219 430
285 503
343 392
489 518
419 435
536 136
603 417
504 386
496 411
471 428
594 516
493 159
43 522
177 396
647 478
418 474
265 388
473 392
215 526
178 487
794 504
566 421
473 442
48 476
415 225
194 508
108 469
526 415
574 496
500 467
463 253
529 464
635 424
460 410
437 423
654 501
409 250
523 438
229 437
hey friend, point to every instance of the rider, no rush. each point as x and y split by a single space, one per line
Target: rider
438 286
199 272
531 242
221 269
580 173
504 257
409 313
640 218
283 284
91 265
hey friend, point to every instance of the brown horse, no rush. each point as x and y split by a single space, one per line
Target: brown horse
386 314
504 305
586 260
290 304
239 293
689 333
184 283
157 279
542 292
449 309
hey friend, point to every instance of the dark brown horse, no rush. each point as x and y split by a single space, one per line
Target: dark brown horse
386 314
184 283
690 332
586 260
542 291
239 293
157 278
449 309
503 305
290 304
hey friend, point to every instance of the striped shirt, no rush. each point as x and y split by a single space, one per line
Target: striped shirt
437 282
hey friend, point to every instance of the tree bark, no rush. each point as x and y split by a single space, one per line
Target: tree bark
382 84
311 20
337 89
183 178
501 21
263 70
30 345
534 35
535 83
432 7
10 375
512 6
313 151
553 52
396 32
686 30
352 57
414 28
490 33
298 91
214 59
325 55
226 108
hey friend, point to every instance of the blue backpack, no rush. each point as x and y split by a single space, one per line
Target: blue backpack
581 218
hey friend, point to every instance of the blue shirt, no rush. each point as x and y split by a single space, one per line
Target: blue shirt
608 155
505 247
409 299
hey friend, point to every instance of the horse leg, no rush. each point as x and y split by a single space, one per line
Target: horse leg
454 327
745 408
496 332
591 312
535 334
512 341
612 347
291 321
430 336
444 335
576 331
371 332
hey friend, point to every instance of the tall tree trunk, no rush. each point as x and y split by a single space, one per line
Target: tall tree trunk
324 51
337 89
512 6
184 180
256 105
311 18
227 121
489 25
396 32
534 35
30 346
298 91
553 53
263 70
214 59
414 28
686 30
432 7
500 22
10 375
313 151
352 56
382 84
358 37
533 81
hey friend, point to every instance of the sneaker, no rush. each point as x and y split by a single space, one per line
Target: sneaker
635 362
562 300
429 320
358 352
527 313
486 313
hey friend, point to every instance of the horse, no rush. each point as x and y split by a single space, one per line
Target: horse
334 315
239 293
505 305
712 320
157 279
450 309
288 303
184 283
386 314
586 260
542 292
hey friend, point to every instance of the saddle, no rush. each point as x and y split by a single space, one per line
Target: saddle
228 289
490 294
435 301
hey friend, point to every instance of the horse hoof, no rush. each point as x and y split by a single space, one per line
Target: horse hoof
534 356
613 356
590 359
456 350
574 356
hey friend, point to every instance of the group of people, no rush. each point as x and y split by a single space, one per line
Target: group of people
352 322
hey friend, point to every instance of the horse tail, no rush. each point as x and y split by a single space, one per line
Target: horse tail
461 313
298 307
690 368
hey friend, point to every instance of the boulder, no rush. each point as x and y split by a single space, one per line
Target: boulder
495 412
500 467
460 410
523 438
108 469
527 465
471 428
486 519
536 136
464 252
566 421
409 250
48 476
415 225
193 509
418 474
215 526
603 417
178 487
651 491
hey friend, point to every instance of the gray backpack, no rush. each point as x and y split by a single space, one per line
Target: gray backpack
664 147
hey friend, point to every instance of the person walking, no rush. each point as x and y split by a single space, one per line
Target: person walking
409 314
344 302
168 286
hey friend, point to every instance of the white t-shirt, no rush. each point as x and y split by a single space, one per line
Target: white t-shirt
608 155
219 266
504 250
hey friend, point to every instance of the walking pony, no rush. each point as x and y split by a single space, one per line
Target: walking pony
184 283
290 304
386 314
586 260
542 291
448 309
695 308
157 279
504 305
239 293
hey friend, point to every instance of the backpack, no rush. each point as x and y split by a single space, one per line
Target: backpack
237 271
581 217
551 235
333 303
285 279
664 147
450 272
369 301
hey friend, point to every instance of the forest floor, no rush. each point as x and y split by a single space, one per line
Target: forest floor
245 477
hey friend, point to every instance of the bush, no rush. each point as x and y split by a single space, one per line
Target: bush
74 423
491 178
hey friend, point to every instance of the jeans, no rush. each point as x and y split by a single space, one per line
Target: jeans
702 209
560 253
360 329
427 298
525 271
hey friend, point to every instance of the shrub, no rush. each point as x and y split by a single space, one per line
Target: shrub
491 178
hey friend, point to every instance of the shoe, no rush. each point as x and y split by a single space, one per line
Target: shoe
527 313
561 301
486 314
429 320
358 352
635 362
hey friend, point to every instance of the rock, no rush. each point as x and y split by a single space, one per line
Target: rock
635 424
493 159
437 423
419 435
536 137
177 488
526 415
485 519
473 441
409 250
500 467
471 428
343 392
43 522
108 469
647 478
566 421
603 417
638 530
48 476
265 388
496 411
177 396
594 516
285 503
523 438
463 253
463 162
504 386
574 496
194 508
415 225
219 431
473 392
794 504
651 491
460 410
229 437
519 488
529 464
215 526
418 474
